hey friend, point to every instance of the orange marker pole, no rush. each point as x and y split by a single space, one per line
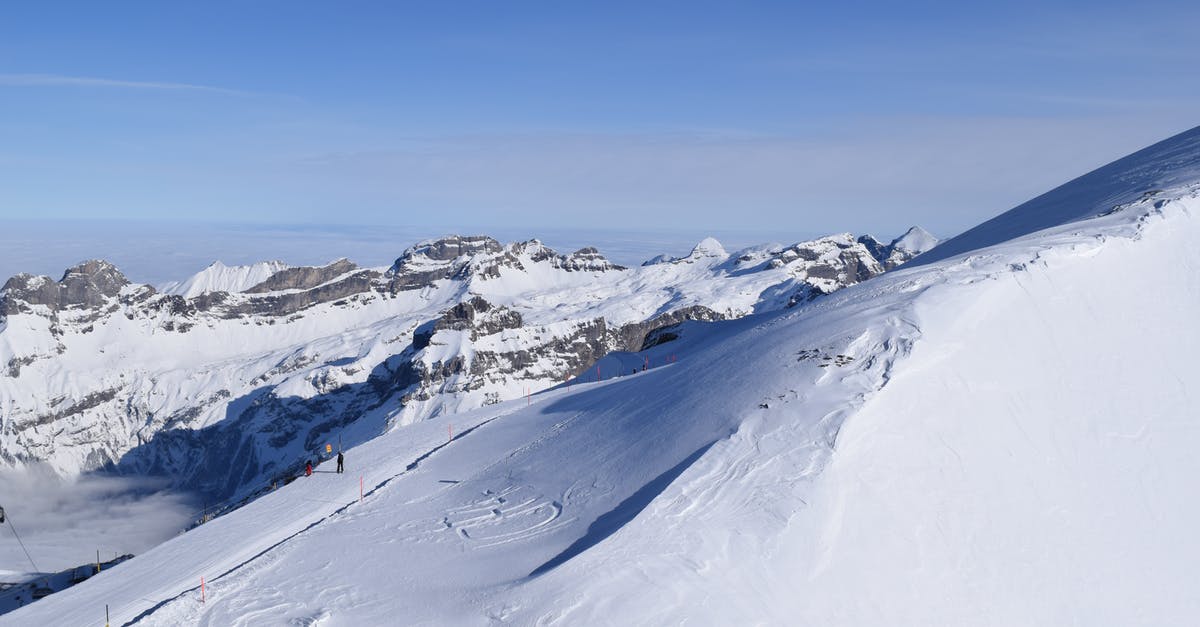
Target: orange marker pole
201 589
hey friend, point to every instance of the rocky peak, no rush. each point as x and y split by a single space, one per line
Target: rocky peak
86 285
453 247
588 259
878 249
90 283
914 242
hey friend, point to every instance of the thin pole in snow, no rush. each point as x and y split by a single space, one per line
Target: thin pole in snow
202 589
97 560
105 615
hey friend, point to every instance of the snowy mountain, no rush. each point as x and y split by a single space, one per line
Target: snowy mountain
993 436
226 381
219 277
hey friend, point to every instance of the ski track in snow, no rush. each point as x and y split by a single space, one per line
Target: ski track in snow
337 512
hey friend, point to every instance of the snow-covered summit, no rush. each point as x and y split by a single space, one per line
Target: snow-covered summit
708 247
914 241
219 277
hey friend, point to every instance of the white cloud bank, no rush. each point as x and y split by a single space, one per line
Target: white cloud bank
64 522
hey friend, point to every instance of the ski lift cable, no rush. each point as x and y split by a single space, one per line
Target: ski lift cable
18 537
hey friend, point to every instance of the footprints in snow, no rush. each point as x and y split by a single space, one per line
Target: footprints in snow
825 358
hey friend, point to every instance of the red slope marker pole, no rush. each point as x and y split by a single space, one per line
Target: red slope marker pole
201 589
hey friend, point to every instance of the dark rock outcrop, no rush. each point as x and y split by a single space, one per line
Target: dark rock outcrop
303 277
88 285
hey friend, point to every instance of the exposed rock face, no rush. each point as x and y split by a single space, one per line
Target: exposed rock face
914 242
303 278
632 337
453 247
225 390
87 285
588 259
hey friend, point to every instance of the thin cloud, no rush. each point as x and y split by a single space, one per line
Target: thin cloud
57 80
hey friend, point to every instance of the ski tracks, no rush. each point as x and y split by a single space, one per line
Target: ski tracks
272 553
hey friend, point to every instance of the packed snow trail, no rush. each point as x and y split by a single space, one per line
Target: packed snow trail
363 495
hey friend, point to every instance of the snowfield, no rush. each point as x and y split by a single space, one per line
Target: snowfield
1002 434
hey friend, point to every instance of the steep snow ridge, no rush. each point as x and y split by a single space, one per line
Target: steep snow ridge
1169 164
1016 467
219 277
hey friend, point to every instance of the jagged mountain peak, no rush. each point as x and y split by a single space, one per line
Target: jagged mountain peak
95 268
87 284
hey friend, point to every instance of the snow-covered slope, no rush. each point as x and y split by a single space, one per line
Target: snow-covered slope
995 437
230 379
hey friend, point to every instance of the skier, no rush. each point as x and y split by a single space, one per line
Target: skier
341 460
308 468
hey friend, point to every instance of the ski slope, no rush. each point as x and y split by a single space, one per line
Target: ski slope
1003 435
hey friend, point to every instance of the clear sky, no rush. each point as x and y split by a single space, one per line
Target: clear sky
790 116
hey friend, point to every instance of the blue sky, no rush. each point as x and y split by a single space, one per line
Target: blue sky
784 117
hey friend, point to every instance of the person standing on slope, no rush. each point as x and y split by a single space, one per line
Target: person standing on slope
341 460
308 468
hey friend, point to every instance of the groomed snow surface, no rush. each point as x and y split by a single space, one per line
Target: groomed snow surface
1004 436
